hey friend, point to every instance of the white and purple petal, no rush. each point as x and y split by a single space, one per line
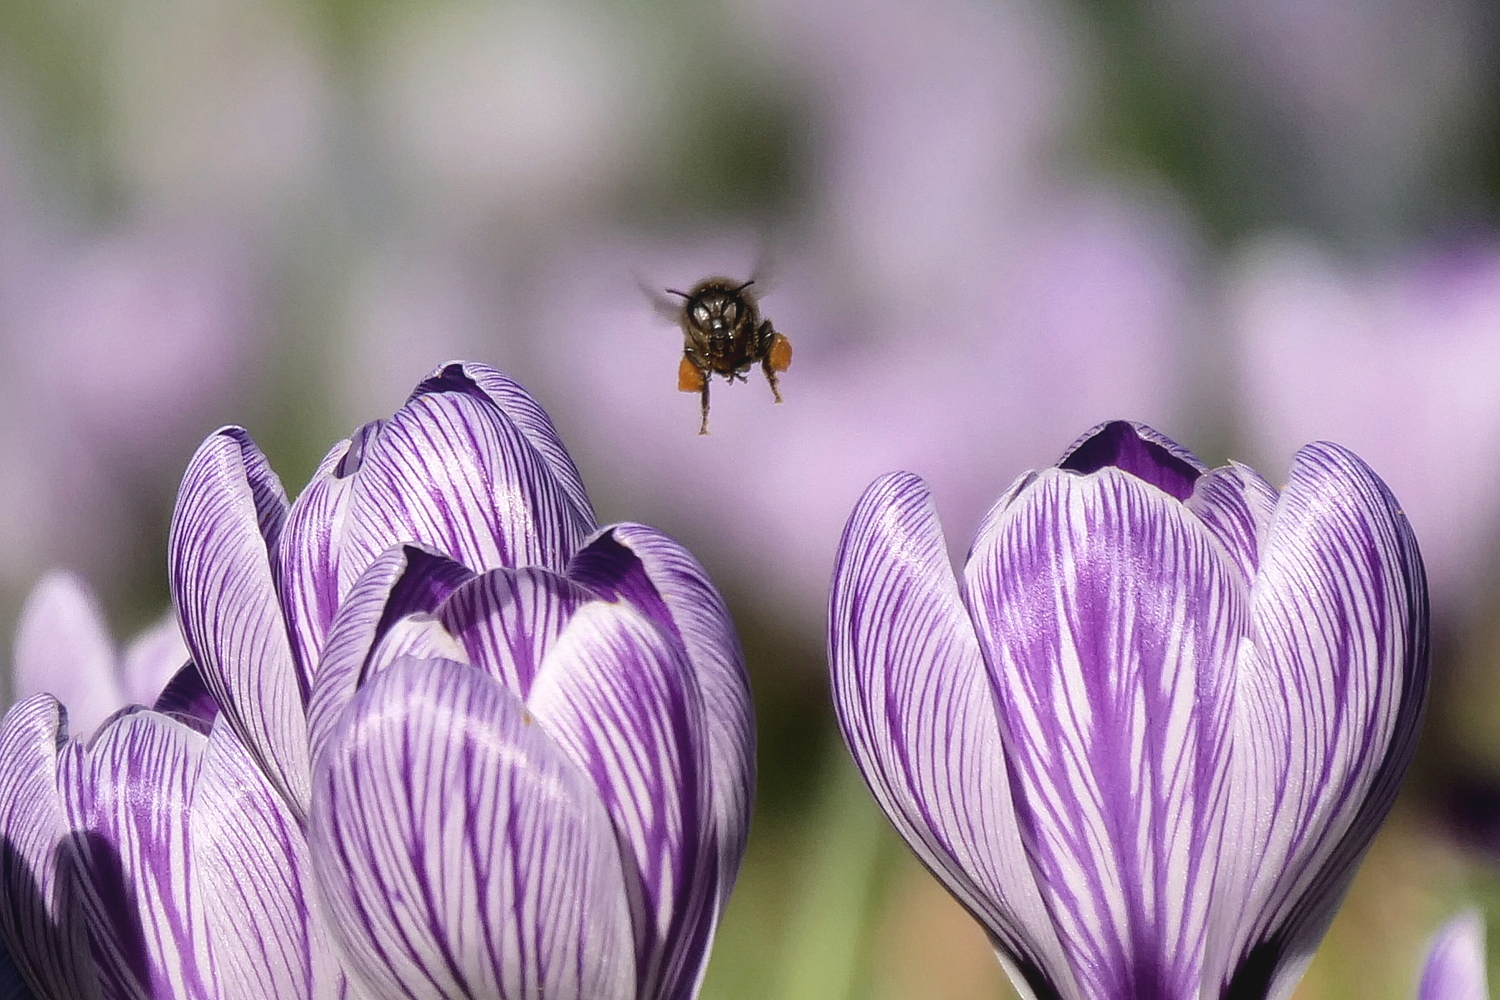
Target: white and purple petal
460 853
40 920
620 698
507 620
250 857
1330 690
403 580
1109 621
453 472
126 795
659 577
916 710
223 569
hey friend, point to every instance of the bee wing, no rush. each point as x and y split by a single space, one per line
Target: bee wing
667 307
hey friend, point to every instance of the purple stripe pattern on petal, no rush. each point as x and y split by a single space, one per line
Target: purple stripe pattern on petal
1149 745
461 853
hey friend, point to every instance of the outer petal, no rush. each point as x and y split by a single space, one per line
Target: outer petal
251 859
126 796
223 575
1109 621
453 472
39 917
533 422
1330 699
1455 967
662 579
460 853
63 648
620 699
152 659
402 581
915 707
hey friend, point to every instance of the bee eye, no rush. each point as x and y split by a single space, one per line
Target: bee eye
701 314
729 311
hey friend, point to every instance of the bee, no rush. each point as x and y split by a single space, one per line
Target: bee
724 335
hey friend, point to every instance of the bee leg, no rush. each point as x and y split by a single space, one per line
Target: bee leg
775 355
703 423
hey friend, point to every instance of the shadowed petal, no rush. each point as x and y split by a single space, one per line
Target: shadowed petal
1139 450
915 707
12 984
460 853
39 917
251 860
508 619
1109 621
620 699
223 574
451 471
1455 967
1330 698
126 796
64 648
662 579
152 659
404 580
187 699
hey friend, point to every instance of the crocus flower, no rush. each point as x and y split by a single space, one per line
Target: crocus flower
1147 738
1455 968
511 752
63 646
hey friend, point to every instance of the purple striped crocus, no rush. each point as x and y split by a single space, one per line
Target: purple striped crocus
451 739
1147 738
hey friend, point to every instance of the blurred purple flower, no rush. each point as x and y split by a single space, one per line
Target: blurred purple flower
513 751
1400 361
1455 968
63 647
1149 736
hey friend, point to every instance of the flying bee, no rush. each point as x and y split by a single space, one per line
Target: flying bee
725 335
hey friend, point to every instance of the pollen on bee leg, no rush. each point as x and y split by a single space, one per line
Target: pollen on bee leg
780 354
689 378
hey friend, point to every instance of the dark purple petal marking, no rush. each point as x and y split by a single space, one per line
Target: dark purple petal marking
620 698
1235 504
126 796
40 921
251 859
1330 698
1455 968
1110 621
310 547
63 648
660 578
916 711
402 581
452 472
187 699
12 983
508 619
460 853
1138 450
531 420
222 557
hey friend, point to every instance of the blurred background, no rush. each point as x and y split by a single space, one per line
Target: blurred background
985 225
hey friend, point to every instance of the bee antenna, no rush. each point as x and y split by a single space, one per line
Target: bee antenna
745 285
673 291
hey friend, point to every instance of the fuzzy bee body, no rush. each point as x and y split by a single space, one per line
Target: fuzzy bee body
725 335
